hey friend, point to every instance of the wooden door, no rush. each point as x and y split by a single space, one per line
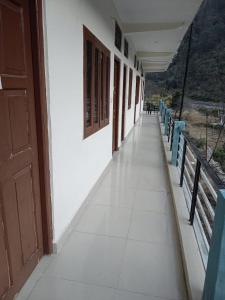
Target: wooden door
137 93
21 244
124 102
116 104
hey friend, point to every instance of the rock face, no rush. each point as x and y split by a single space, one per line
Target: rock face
206 75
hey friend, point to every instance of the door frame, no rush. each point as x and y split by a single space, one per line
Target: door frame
41 114
124 102
115 148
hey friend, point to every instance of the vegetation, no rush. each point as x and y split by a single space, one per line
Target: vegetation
206 73
207 111
219 156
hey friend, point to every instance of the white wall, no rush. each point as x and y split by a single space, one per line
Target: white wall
77 163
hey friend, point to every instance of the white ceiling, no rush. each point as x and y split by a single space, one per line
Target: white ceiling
156 28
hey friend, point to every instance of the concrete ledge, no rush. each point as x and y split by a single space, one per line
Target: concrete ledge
192 261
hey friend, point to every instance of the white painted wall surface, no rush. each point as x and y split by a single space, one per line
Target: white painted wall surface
77 163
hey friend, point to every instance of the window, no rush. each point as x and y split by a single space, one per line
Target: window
126 48
135 61
96 84
130 88
137 89
142 71
118 37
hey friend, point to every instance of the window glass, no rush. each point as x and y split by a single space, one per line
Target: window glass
96 98
102 87
107 87
130 88
126 48
118 37
89 48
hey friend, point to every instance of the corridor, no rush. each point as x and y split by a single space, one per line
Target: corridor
125 244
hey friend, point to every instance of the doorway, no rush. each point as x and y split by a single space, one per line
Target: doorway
137 93
124 102
25 206
116 94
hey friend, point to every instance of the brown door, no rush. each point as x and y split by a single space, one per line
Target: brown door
116 104
124 102
136 96
21 244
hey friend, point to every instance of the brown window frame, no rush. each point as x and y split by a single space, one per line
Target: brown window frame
130 88
100 84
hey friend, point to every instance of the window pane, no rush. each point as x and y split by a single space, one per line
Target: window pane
88 83
130 88
137 89
96 106
118 36
126 48
102 87
107 87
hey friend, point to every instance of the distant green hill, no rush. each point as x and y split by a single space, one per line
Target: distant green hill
206 75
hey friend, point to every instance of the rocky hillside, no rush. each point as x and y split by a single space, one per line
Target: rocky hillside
206 75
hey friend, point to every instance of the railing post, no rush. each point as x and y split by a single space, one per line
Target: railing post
195 191
172 131
215 273
160 106
163 112
178 127
166 120
183 162
169 128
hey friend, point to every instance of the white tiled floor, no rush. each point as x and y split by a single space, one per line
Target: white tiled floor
125 244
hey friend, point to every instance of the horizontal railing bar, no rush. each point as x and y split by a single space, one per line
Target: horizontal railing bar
197 216
204 217
206 201
190 166
202 230
189 179
201 190
209 185
217 181
190 153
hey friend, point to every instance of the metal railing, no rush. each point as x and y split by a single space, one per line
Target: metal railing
200 184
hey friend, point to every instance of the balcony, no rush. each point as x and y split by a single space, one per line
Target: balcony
125 244
133 239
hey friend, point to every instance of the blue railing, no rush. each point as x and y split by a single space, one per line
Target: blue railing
205 195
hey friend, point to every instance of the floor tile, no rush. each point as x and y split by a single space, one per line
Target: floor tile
89 259
119 181
152 201
123 295
59 289
35 276
150 227
152 269
123 197
106 220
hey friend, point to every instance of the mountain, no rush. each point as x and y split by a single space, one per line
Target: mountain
206 72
